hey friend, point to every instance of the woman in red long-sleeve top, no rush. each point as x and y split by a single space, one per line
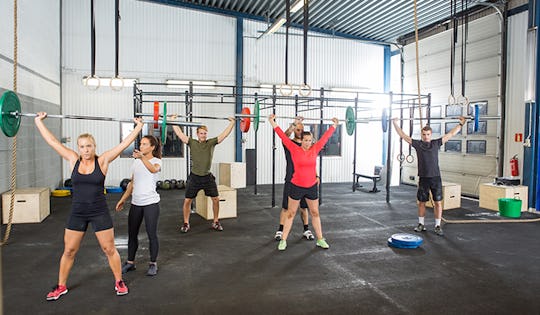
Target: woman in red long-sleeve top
304 180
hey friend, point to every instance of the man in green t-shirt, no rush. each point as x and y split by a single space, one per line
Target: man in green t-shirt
200 177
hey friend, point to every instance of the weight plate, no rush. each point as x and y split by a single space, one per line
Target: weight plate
245 121
407 239
164 125
350 121
384 120
257 116
476 117
156 114
392 243
9 103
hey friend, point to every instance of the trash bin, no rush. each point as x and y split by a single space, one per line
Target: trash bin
510 207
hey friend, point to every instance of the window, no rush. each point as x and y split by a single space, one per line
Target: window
452 146
476 146
453 110
482 107
451 125
333 146
172 148
482 127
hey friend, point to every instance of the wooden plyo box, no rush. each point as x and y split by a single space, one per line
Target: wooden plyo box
490 194
232 174
227 203
31 205
451 196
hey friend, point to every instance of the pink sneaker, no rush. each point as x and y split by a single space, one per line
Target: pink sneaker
57 292
121 288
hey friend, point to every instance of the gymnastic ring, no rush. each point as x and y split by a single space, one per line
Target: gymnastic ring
401 157
289 87
409 158
301 89
451 100
462 100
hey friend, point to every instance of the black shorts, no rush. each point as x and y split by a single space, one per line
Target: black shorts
99 222
297 192
285 201
196 183
427 184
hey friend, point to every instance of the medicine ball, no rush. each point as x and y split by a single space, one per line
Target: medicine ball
124 183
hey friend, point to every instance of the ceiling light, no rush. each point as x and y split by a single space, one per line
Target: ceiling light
181 84
296 6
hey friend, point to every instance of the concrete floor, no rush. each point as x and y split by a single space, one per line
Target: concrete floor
473 269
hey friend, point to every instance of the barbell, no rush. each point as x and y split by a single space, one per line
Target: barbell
10 117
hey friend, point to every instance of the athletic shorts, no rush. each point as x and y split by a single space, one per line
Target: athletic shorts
297 192
196 183
427 184
285 201
99 222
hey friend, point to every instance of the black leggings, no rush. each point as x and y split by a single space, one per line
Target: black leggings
150 214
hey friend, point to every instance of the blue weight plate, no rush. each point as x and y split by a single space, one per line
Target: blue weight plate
407 239
114 189
396 245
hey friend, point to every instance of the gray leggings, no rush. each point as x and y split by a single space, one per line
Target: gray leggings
150 214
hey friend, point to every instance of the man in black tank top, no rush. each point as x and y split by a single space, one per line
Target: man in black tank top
88 204
429 174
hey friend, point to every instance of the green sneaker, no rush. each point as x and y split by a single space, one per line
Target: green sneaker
282 245
323 244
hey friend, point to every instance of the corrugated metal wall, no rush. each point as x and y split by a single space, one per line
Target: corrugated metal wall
38 87
157 42
332 62
482 84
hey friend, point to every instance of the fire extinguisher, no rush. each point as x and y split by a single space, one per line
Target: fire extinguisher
514 167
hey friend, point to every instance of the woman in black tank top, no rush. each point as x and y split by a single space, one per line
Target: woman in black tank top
88 204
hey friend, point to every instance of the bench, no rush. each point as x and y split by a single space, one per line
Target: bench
375 177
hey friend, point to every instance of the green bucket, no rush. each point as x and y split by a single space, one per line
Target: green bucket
510 207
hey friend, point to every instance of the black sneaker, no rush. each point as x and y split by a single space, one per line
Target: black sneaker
438 230
152 270
126 267
420 228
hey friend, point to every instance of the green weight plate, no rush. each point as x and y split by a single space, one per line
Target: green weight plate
9 103
257 116
350 123
164 125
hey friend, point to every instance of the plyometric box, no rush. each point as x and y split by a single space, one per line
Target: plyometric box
31 205
451 196
232 174
490 194
227 203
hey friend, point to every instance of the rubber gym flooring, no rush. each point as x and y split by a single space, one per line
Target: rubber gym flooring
473 269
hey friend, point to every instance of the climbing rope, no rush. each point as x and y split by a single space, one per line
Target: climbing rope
13 173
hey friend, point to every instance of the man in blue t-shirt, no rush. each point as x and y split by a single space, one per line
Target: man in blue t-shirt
427 152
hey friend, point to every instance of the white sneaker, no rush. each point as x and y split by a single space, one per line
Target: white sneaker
278 235
308 235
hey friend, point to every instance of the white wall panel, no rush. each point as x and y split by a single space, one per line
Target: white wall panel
332 62
38 88
157 42
482 84
515 95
